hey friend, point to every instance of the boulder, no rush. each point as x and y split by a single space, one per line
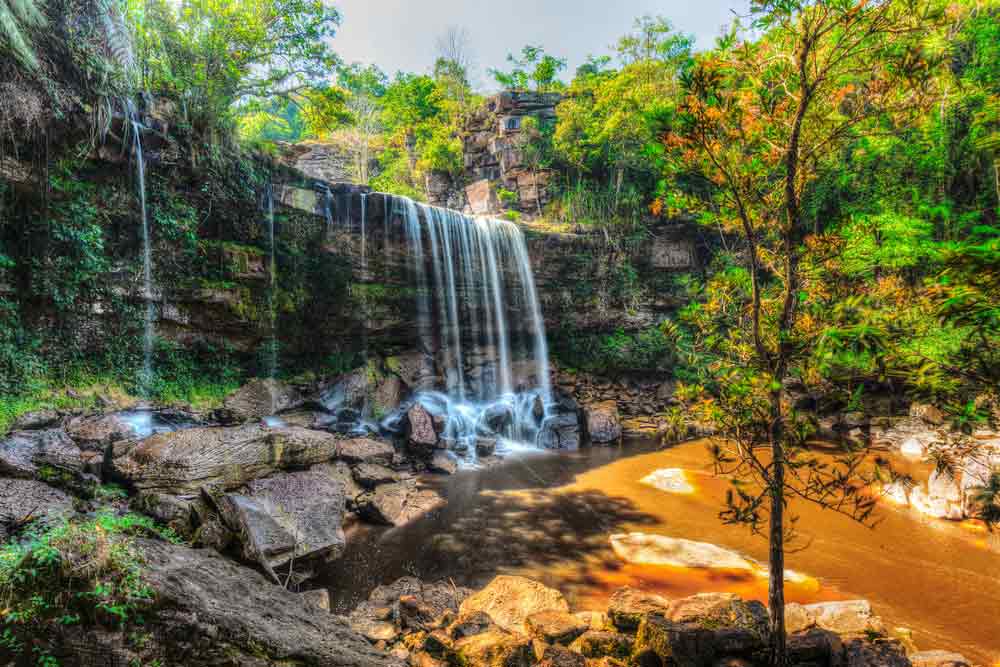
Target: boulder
35 420
27 454
558 656
878 653
371 475
470 624
95 433
443 462
216 612
498 417
927 413
600 643
938 659
670 480
290 516
365 450
24 501
399 503
318 598
182 462
342 473
560 431
628 606
643 549
814 647
485 447
850 617
604 422
418 426
406 604
257 399
555 627
495 648
510 600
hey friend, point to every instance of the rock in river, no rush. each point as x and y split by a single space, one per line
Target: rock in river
643 549
509 601
398 504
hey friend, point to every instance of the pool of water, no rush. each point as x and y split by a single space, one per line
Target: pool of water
150 422
550 517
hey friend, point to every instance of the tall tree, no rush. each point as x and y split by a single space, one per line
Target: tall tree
759 119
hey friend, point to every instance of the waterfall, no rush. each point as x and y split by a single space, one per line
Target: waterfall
272 348
146 377
477 312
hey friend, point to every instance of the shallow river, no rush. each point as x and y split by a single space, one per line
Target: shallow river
549 517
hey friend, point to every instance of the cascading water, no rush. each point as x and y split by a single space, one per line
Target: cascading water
146 377
272 345
477 310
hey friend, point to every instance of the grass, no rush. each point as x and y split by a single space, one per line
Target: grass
75 573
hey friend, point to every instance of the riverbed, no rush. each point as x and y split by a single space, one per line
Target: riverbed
550 517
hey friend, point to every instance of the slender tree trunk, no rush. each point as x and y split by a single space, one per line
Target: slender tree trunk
776 560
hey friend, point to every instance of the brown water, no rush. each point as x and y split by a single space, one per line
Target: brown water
549 517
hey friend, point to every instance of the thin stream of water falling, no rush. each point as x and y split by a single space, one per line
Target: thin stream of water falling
146 378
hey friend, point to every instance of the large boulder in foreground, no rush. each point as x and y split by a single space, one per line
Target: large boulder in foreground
27 453
286 517
183 462
510 601
210 611
257 399
604 422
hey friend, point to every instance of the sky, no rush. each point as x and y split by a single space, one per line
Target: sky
401 34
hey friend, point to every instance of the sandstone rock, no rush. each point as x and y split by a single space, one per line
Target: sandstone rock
23 454
175 512
257 399
560 431
35 420
443 463
724 610
495 648
850 617
288 516
878 653
365 450
927 413
798 618
815 647
594 620
467 625
398 504
599 644
557 656
414 368
509 601
342 473
628 605
938 659
419 429
24 501
555 627
371 475
604 422
318 598
643 549
97 432
182 462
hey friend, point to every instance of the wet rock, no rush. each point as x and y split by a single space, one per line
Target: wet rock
175 512
418 426
95 433
257 399
443 462
215 612
25 501
35 420
560 431
604 422
628 606
27 454
182 462
814 647
398 504
407 604
555 627
938 659
510 600
602 643
213 534
414 368
371 475
498 418
485 447
538 409
290 516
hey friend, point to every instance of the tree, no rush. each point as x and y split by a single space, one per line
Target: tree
533 66
17 19
365 113
759 120
654 38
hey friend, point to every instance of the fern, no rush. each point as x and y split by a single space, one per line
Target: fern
17 17
117 38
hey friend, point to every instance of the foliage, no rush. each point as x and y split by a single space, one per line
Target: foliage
533 66
78 572
16 18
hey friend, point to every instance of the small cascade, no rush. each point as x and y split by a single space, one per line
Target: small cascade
146 377
272 346
478 313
